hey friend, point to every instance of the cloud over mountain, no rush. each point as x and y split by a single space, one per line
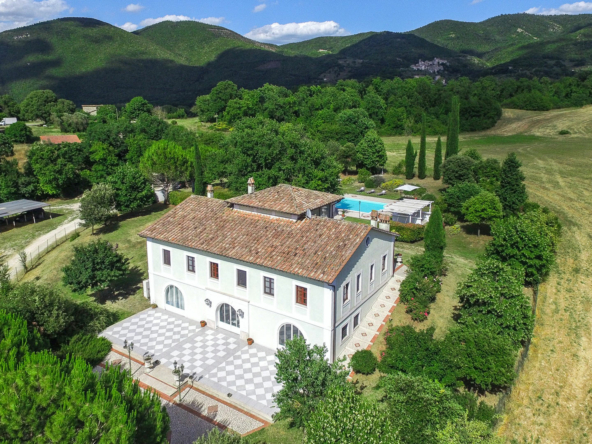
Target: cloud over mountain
295 32
567 8
16 13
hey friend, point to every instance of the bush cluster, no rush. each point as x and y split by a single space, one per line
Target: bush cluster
392 184
408 232
422 284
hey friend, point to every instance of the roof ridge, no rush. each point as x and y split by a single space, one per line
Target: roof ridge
293 197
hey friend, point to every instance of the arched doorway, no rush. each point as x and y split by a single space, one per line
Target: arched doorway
228 318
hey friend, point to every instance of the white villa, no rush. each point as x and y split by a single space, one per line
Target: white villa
269 265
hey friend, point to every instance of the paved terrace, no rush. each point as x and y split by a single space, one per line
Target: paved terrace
222 364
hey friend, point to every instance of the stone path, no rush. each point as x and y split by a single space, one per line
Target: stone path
371 326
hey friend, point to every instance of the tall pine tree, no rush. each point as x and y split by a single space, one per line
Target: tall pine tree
453 128
435 236
198 185
421 167
410 155
512 191
438 160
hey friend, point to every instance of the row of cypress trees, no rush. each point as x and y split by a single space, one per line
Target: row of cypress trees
452 146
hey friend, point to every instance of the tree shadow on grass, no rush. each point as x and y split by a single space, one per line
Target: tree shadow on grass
122 288
472 229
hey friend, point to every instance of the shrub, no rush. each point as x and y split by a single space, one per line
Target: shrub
392 184
399 168
364 362
74 237
564 132
408 232
476 411
370 183
91 348
216 436
419 290
349 180
176 197
427 265
428 196
416 193
418 311
363 175
19 132
174 122
449 219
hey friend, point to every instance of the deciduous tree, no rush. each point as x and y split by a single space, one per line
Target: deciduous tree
198 181
371 152
136 107
483 208
457 169
38 105
456 196
19 132
95 266
97 205
132 190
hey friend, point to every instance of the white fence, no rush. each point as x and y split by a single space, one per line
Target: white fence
29 258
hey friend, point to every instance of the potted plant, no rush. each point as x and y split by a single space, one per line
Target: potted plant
250 341
203 323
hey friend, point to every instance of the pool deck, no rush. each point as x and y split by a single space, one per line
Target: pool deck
369 198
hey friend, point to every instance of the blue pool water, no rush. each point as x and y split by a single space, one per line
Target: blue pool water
364 206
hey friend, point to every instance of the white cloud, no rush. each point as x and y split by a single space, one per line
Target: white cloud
567 8
133 7
181 18
129 27
16 13
295 32
260 7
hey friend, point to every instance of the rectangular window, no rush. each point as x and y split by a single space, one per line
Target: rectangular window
301 295
344 331
214 270
371 273
166 257
268 286
359 283
346 293
241 278
384 259
356 321
190 264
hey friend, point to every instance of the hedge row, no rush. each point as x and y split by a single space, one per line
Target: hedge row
408 232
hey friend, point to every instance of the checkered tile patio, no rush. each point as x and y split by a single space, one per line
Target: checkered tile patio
218 358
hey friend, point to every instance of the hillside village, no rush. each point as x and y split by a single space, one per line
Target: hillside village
398 259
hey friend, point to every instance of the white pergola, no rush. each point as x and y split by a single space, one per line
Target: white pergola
409 207
406 187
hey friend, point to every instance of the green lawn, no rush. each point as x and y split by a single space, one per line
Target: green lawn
126 295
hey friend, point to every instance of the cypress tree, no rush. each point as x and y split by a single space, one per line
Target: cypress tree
453 128
512 191
198 184
410 155
438 160
435 236
421 167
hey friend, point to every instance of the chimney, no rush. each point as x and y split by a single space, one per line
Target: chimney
210 191
374 218
384 221
251 185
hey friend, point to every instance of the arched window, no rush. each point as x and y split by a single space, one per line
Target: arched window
228 315
289 332
174 297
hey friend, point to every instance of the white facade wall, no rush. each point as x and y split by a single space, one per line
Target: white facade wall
320 321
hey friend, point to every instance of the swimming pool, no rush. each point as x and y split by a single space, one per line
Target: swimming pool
365 206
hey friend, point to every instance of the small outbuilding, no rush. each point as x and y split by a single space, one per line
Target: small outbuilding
7 121
27 209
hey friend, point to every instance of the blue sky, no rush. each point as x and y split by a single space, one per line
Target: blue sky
280 21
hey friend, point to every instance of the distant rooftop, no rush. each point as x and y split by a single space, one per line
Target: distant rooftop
287 199
70 138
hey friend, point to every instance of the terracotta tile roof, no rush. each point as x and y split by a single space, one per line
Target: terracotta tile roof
72 138
287 199
316 248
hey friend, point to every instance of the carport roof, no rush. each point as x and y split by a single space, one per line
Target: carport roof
20 206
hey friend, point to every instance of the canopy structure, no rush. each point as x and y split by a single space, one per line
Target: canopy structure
406 187
20 206
410 210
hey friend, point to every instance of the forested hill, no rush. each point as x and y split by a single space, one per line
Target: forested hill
89 61
524 41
